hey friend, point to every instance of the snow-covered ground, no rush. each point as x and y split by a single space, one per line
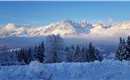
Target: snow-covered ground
105 70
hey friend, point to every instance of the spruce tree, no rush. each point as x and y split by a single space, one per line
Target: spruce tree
98 55
25 57
69 54
128 40
72 47
29 56
87 58
35 54
128 49
21 56
121 52
91 52
40 53
54 59
77 53
82 55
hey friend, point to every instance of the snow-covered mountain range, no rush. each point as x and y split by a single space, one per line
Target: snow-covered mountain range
64 28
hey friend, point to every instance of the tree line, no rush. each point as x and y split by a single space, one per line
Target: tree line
53 50
25 56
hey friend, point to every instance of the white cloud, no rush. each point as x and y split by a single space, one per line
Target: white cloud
117 30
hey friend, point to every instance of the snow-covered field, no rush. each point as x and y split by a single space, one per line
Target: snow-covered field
105 70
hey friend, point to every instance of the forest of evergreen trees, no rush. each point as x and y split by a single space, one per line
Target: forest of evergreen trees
53 50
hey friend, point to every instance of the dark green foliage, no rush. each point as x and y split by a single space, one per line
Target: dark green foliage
123 51
40 53
93 53
26 56
89 54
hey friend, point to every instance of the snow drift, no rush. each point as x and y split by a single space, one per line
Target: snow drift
105 70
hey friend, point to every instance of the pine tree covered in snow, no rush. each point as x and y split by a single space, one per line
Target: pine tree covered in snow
93 53
77 54
8 57
70 54
40 53
34 54
123 51
25 56
82 54
21 56
128 48
54 49
98 55
29 56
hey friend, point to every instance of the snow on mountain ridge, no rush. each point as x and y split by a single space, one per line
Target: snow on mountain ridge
123 25
64 28
85 23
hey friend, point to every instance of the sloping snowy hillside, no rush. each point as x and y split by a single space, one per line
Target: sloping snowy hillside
105 70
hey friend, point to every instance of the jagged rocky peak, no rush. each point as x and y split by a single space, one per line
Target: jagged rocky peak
68 21
99 24
85 23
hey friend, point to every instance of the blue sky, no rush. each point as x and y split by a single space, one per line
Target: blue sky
43 13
